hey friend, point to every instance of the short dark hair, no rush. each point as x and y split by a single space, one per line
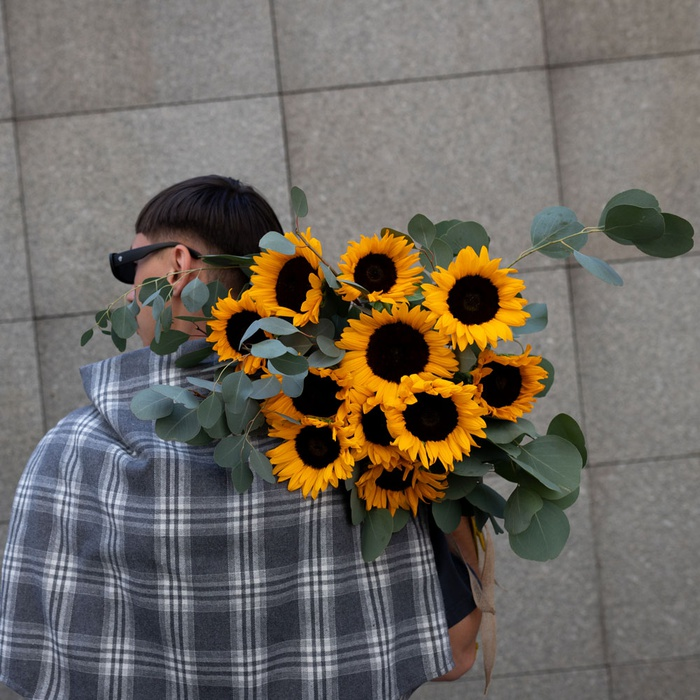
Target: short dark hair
224 214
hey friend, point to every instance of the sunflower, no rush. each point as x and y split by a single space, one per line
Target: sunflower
506 385
290 285
474 301
232 317
401 486
387 345
321 398
386 267
435 420
312 457
367 421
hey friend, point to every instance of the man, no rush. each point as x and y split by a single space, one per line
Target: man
134 570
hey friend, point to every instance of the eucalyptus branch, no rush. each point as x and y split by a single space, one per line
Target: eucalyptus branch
563 241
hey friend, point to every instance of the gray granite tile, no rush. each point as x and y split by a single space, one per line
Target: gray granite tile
325 44
114 54
629 125
585 30
61 358
476 148
5 94
20 406
548 613
640 369
570 684
661 679
646 516
86 178
16 299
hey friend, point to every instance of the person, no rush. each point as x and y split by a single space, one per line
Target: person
134 570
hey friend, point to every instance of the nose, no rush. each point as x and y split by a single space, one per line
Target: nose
131 295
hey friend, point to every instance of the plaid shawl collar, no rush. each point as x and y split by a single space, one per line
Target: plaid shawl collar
134 570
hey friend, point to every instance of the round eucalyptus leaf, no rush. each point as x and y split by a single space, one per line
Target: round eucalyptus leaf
235 390
265 388
169 342
269 348
375 533
555 231
599 268
677 239
278 243
630 225
536 322
466 234
178 394
299 203
288 364
487 500
546 535
566 427
261 465
195 295
123 322
210 410
401 518
181 424
86 337
520 508
422 230
553 461
447 515
150 405
635 198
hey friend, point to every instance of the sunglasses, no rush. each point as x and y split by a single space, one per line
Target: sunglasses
124 264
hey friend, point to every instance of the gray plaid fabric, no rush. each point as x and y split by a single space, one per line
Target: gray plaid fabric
134 570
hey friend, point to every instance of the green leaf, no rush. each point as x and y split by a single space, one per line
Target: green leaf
599 268
329 275
86 337
422 230
635 198
441 252
269 348
358 511
178 394
537 322
238 421
328 347
555 224
447 514
153 287
274 325
278 243
487 500
210 410
232 453
320 359
236 388
470 466
566 427
221 260
123 322
293 385
521 507
463 234
677 239
262 466
181 424
149 404
119 342
265 388
299 203
459 486
216 291
630 225
169 342
102 318
192 359
375 533
546 535
288 364
401 517
547 382
553 461
503 432
195 295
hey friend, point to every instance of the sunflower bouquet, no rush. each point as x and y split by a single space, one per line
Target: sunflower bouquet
390 377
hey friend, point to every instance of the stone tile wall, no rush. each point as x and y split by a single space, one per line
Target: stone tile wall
378 110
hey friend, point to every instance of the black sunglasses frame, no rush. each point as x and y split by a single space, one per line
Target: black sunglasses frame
124 264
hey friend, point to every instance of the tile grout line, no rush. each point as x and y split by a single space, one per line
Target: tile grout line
23 212
605 651
280 93
280 98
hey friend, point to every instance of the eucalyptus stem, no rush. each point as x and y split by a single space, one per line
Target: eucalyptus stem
584 231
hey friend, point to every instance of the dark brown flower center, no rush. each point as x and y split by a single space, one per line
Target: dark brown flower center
316 446
473 300
293 283
393 480
395 350
318 397
374 427
376 272
501 387
238 324
431 417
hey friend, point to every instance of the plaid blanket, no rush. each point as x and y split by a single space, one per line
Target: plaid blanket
134 570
